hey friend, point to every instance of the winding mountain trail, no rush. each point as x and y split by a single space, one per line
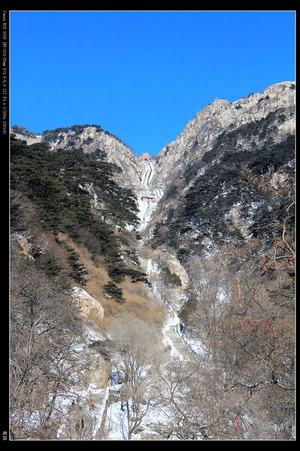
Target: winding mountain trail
107 414
148 196
172 299
178 347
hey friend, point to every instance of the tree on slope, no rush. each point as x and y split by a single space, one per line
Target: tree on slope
137 347
45 330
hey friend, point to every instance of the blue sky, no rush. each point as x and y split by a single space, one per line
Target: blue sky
142 75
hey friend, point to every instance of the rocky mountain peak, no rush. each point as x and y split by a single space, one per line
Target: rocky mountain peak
220 116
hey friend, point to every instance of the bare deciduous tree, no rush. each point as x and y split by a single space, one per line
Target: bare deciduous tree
44 332
137 347
249 338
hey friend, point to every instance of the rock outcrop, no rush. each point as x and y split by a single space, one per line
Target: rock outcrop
88 304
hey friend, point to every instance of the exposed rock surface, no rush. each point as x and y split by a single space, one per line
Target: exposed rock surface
99 144
87 303
201 133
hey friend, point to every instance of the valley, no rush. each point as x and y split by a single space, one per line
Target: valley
161 288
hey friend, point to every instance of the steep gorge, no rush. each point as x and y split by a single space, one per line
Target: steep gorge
214 208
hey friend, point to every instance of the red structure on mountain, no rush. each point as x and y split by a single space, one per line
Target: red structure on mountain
145 156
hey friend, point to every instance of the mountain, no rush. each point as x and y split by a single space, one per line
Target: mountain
198 137
99 144
208 169
185 326
251 121
221 116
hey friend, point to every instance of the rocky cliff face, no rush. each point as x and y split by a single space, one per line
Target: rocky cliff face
98 143
113 150
220 174
201 133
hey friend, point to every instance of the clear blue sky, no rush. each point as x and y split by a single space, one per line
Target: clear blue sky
141 75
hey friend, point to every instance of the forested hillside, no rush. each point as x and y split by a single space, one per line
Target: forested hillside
64 186
245 189
70 227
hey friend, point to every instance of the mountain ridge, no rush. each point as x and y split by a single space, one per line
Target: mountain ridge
197 137
159 184
201 132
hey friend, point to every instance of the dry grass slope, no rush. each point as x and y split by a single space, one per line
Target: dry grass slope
138 299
